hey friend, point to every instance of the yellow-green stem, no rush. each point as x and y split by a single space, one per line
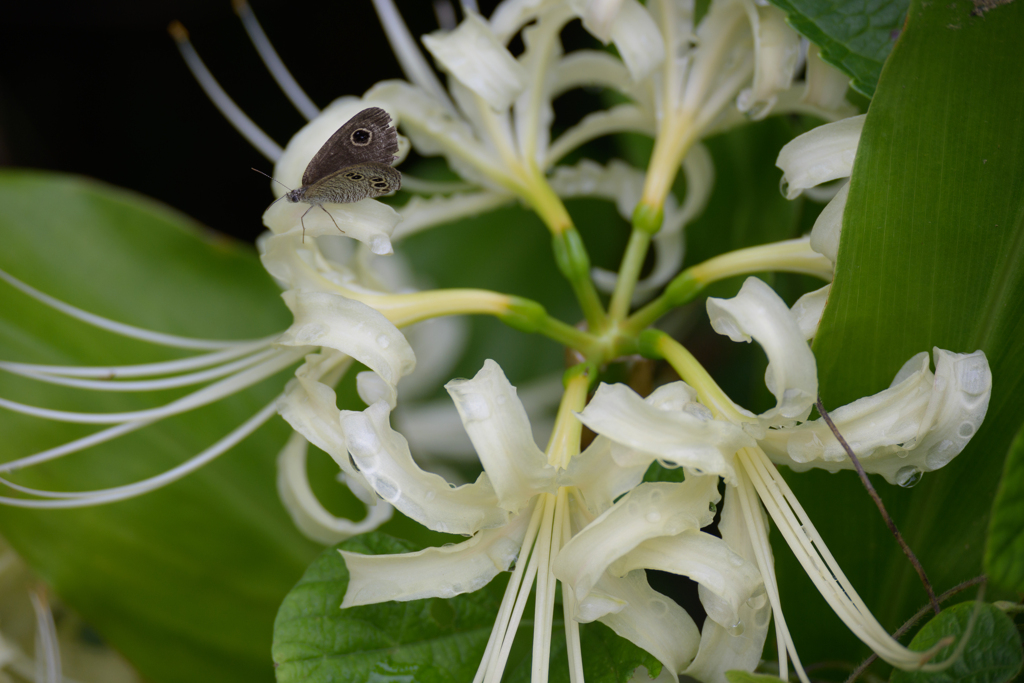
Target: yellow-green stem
565 439
629 273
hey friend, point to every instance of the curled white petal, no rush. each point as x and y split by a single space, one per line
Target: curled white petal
726 580
355 329
721 648
648 619
598 16
826 85
434 572
920 423
383 458
621 118
678 432
777 50
367 221
497 424
637 39
820 155
600 478
829 225
792 375
311 518
808 310
474 55
420 213
648 511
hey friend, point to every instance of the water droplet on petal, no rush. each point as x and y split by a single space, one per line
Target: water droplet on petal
736 629
383 341
908 476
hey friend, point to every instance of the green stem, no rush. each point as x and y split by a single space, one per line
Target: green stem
529 316
683 289
629 273
574 263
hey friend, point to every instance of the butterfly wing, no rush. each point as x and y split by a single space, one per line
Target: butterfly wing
368 137
352 183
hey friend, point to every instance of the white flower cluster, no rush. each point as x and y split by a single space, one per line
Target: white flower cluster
586 519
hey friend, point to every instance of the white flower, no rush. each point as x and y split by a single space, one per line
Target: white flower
917 425
557 515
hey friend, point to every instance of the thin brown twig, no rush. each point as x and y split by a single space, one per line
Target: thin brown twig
881 507
914 619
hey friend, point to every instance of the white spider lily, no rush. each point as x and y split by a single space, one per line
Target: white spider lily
557 515
917 425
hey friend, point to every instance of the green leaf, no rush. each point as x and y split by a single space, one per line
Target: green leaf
931 254
738 676
854 36
184 581
992 655
421 640
1004 551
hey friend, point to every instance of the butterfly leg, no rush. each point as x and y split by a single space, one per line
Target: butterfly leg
332 218
302 220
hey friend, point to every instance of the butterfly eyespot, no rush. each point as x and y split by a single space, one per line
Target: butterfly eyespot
377 179
361 137
354 176
381 186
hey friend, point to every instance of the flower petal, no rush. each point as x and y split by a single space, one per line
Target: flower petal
808 310
792 375
777 51
649 619
442 572
920 423
829 224
355 329
497 424
383 458
367 221
473 54
311 518
648 511
600 478
819 155
727 581
637 39
679 432
723 649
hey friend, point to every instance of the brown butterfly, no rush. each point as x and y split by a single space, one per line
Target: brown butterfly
355 163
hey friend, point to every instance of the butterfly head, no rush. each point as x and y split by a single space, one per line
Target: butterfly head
295 196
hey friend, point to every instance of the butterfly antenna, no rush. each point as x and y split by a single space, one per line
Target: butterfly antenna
273 178
332 218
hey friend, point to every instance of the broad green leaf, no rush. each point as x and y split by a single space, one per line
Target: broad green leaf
932 244
747 677
992 654
854 36
316 641
1004 551
185 581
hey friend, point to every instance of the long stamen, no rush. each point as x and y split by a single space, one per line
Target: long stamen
296 95
103 496
147 385
109 372
74 446
409 55
231 111
199 398
122 329
48 666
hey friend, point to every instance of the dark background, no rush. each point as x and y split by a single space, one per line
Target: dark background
100 89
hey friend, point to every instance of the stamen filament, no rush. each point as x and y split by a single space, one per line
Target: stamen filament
296 95
231 111
124 330
204 396
103 496
148 385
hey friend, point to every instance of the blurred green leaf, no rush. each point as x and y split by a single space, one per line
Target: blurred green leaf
992 654
1004 551
933 239
747 677
184 581
316 641
854 36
